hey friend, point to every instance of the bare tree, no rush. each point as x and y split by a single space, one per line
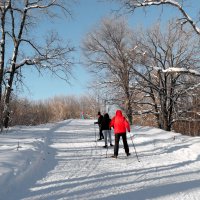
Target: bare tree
166 62
131 5
106 50
19 49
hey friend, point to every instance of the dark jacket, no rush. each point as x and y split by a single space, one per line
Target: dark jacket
100 119
105 122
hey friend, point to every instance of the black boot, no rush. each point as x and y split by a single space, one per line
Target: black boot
114 156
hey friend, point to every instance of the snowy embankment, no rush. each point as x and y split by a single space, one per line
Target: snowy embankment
63 161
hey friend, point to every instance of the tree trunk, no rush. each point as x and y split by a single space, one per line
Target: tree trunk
6 112
128 110
129 115
7 101
2 58
165 121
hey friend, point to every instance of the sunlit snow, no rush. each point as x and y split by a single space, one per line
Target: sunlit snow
62 161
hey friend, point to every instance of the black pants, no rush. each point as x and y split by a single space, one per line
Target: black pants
117 138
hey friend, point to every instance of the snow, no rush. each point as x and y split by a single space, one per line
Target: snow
62 161
175 69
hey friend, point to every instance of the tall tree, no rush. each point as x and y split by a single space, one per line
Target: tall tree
106 50
19 49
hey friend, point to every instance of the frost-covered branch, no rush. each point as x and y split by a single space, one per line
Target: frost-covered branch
173 70
131 5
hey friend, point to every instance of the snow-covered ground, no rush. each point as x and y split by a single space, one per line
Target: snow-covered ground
62 161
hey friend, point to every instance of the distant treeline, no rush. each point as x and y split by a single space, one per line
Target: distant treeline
26 112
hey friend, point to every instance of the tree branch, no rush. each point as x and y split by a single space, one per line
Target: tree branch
133 4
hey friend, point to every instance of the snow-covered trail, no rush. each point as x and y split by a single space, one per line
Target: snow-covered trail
76 167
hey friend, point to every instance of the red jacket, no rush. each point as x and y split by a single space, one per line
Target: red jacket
119 123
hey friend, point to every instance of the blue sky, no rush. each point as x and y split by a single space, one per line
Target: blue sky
85 15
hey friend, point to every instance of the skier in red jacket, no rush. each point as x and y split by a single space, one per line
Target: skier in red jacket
120 125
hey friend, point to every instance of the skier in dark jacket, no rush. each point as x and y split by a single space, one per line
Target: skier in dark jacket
99 122
120 125
106 129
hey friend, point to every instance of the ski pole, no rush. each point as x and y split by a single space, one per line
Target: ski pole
134 148
95 135
106 151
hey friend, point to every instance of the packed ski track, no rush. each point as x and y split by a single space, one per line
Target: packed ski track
72 165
